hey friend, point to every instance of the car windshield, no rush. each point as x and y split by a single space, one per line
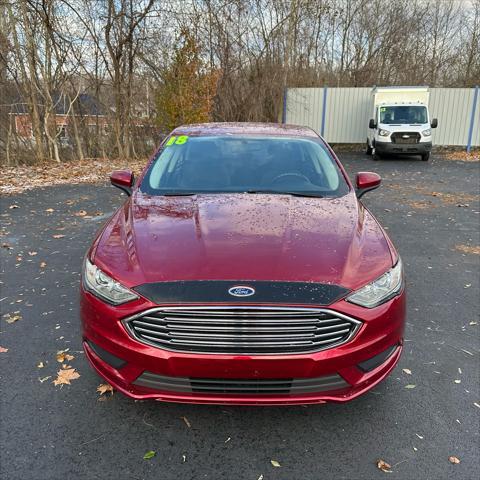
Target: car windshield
217 164
403 114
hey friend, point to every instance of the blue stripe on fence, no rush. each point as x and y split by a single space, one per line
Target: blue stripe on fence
324 111
284 113
472 120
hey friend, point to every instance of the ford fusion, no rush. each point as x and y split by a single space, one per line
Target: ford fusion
243 268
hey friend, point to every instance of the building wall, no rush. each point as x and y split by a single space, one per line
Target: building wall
23 123
348 110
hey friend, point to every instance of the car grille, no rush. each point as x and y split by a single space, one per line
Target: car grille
242 330
241 386
405 137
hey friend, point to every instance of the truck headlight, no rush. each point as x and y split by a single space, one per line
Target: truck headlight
427 132
380 290
104 287
384 133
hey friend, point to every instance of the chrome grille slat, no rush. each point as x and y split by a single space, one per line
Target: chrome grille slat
240 321
149 325
238 311
242 330
254 329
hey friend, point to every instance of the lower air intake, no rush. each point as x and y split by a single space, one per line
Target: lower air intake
241 386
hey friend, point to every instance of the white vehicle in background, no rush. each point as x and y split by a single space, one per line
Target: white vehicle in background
401 122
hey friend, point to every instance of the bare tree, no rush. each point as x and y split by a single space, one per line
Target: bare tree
121 54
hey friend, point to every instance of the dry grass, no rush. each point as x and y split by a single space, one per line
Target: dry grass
421 205
19 179
458 198
473 156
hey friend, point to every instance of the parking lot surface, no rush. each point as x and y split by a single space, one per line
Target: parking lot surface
425 412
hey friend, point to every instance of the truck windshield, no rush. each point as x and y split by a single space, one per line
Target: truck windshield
244 164
402 114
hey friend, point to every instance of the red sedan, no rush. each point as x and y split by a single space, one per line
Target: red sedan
243 269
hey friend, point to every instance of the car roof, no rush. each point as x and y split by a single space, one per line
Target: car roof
245 128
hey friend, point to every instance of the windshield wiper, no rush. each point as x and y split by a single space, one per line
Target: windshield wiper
295 194
277 192
178 194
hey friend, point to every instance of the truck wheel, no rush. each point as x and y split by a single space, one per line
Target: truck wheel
425 156
368 150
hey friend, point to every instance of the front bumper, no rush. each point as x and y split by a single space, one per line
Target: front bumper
124 362
383 148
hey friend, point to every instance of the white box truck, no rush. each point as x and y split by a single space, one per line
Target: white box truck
401 122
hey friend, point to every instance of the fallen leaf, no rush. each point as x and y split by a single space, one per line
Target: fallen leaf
476 404
474 250
81 213
3 350
65 375
185 419
419 436
410 386
58 235
43 264
49 210
105 388
275 463
184 458
453 460
32 254
150 454
457 381
384 466
40 365
12 318
63 356
260 477
44 379
13 206
407 371
7 246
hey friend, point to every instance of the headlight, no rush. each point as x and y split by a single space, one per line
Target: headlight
427 132
104 287
384 133
381 289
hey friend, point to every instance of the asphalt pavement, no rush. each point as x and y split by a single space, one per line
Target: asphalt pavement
425 412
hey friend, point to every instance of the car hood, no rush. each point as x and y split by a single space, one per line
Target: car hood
243 237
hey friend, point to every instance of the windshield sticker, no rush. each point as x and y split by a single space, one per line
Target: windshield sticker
382 109
180 140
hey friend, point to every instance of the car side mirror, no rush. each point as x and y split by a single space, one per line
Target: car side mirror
434 123
122 179
366 181
372 124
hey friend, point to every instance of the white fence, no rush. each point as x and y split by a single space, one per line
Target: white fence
341 115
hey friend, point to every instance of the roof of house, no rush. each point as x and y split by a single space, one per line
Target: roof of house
85 104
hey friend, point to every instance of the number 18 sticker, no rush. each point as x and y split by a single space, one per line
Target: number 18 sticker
180 140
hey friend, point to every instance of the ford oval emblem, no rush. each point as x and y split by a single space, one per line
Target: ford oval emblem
241 291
